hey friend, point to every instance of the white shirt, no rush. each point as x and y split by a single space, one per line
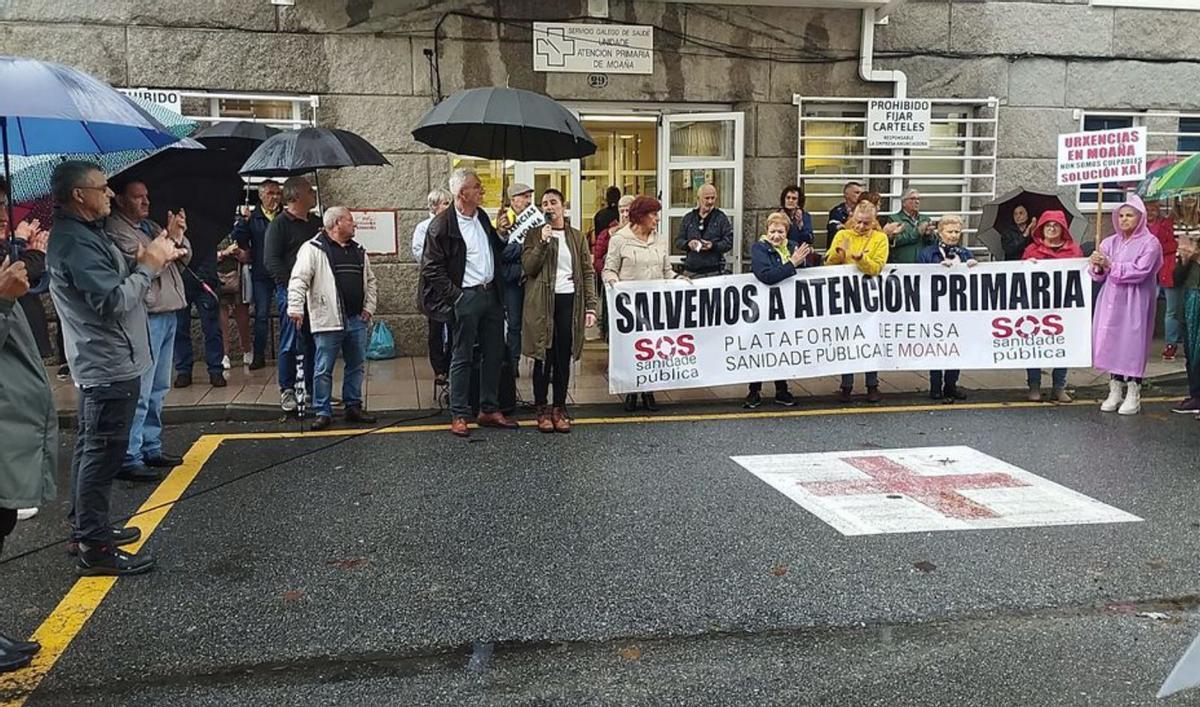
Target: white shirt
418 239
480 267
564 282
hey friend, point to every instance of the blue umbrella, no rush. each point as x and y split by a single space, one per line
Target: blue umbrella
49 108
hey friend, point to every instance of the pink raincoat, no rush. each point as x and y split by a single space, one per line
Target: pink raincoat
1123 324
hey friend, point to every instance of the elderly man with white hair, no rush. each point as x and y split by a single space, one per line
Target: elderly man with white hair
460 284
440 338
915 231
333 278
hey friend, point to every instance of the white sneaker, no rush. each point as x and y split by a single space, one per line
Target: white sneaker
1116 391
287 401
1133 400
247 359
225 363
26 513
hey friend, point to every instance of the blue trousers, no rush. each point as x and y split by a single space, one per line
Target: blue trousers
214 343
1058 377
872 379
145 434
1172 326
351 343
261 292
291 341
514 301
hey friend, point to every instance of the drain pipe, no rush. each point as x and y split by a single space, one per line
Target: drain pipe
899 81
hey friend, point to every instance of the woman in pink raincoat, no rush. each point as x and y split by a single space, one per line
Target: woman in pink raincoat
1127 262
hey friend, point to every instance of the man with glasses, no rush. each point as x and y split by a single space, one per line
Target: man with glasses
100 297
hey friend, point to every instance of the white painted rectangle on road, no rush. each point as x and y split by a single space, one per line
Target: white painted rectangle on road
924 489
593 48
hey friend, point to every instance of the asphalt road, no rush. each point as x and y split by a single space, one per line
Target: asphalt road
635 563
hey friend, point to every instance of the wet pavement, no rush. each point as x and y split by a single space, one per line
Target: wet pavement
634 563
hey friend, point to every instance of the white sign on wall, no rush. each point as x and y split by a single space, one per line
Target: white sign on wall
895 123
171 100
1102 156
590 49
376 230
924 489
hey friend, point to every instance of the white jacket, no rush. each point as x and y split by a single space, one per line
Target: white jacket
312 284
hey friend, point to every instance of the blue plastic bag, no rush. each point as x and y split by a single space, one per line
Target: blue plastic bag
382 345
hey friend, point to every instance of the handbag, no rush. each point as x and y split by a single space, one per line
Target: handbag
382 345
231 282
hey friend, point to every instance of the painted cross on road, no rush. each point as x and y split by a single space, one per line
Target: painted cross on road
924 489
938 492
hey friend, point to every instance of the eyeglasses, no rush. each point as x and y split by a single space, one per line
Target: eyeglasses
99 188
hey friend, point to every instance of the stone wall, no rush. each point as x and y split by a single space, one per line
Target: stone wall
367 61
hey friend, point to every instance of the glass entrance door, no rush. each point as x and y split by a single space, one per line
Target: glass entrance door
563 176
698 149
626 157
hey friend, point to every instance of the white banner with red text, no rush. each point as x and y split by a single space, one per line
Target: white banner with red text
666 334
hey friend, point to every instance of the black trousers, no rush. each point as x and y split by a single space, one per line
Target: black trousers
8 521
441 343
780 387
478 318
555 367
105 416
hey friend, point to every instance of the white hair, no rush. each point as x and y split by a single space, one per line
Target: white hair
459 177
910 193
436 197
332 214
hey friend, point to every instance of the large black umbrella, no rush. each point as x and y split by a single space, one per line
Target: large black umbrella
241 136
306 150
997 216
504 124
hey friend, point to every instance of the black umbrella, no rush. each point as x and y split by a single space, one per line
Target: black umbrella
997 215
504 124
306 150
241 137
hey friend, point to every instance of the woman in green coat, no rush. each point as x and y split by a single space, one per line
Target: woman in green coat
560 303
28 430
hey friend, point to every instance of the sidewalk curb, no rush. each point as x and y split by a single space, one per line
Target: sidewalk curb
239 412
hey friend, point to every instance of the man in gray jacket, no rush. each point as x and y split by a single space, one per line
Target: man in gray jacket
100 298
130 228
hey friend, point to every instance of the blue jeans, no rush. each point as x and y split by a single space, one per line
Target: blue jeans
214 346
514 301
292 341
848 380
1058 376
145 435
351 342
261 292
1172 327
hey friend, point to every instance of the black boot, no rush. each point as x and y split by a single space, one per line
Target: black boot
648 402
11 660
12 645
631 403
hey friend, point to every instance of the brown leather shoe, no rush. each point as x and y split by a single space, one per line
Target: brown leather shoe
873 395
496 419
561 423
458 427
544 423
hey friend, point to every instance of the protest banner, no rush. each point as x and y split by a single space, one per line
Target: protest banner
666 334
529 219
896 123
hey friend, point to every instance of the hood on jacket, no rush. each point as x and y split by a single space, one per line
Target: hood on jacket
1052 216
1141 229
1038 248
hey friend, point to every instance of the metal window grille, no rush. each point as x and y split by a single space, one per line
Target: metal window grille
956 174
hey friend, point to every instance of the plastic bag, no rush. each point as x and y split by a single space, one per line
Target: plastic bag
382 345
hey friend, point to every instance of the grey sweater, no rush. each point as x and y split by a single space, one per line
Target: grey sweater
166 293
100 298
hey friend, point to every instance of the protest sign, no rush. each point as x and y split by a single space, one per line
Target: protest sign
666 334
894 123
1102 156
529 219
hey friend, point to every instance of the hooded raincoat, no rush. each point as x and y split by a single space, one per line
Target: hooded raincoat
1037 248
28 420
1123 324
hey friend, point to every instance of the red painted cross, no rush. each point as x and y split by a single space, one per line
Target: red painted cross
937 492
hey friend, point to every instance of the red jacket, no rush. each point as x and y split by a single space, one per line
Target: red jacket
1038 248
600 247
1164 230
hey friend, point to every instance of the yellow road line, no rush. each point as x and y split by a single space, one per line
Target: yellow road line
68 618
64 623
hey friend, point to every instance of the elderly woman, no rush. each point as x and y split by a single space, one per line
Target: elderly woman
863 245
773 259
791 204
440 342
600 252
1050 240
638 252
560 303
1127 263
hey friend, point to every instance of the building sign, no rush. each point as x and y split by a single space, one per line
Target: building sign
925 489
896 123
588 49
825 321
376 230
1102 156
171 100
527 220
